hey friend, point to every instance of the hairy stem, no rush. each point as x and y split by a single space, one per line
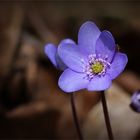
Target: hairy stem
106 115
75 118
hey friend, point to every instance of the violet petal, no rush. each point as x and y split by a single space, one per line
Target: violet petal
50 51
117 66
99 83
71 81
135 101
60 63
87 37
71 56
105 45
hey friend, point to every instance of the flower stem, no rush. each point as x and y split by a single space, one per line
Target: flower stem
75 118
106 115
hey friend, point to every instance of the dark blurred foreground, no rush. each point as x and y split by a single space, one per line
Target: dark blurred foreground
31 104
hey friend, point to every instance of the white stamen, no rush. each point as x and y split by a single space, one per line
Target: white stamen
92 59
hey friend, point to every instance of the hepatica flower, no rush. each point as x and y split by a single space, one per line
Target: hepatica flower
135 101
92 63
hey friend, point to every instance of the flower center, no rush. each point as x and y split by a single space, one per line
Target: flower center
97 67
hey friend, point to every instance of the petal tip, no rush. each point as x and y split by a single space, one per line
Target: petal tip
50 51
49 47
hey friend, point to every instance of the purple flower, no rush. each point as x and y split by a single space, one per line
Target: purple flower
52 52
93 63
135 101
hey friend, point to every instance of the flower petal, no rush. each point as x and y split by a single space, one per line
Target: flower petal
71 81
71 56
99 83
67 40
50 51
135 101
60 63
119 62
87 37
105 45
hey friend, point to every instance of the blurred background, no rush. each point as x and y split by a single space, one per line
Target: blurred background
31 104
